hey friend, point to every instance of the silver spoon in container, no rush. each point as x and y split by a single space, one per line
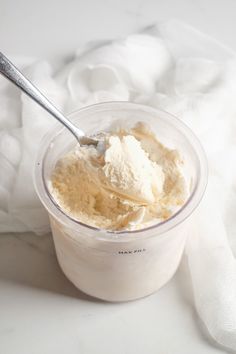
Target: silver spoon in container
9 70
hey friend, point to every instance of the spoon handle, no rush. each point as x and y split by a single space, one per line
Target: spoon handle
8 70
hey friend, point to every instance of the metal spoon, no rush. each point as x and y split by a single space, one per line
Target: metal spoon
9 70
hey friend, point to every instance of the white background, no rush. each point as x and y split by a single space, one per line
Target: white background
40 311
50 28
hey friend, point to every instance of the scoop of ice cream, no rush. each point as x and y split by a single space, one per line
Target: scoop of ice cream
125 185
128 171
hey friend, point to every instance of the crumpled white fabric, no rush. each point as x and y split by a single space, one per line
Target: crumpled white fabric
170 66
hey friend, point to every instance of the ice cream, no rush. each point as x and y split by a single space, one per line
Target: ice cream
129 181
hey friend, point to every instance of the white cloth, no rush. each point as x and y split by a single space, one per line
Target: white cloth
169 66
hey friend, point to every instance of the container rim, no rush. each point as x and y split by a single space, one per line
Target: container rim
124 235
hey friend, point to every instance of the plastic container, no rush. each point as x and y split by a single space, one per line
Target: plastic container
121 266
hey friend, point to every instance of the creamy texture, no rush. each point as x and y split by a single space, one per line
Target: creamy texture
130 181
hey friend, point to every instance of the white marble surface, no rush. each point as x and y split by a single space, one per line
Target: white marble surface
52 28
41 312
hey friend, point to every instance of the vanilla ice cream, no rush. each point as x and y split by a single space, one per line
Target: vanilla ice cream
129 181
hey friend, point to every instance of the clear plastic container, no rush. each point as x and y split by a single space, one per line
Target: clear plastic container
121 266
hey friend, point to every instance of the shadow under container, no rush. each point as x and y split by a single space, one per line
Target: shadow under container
125 265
